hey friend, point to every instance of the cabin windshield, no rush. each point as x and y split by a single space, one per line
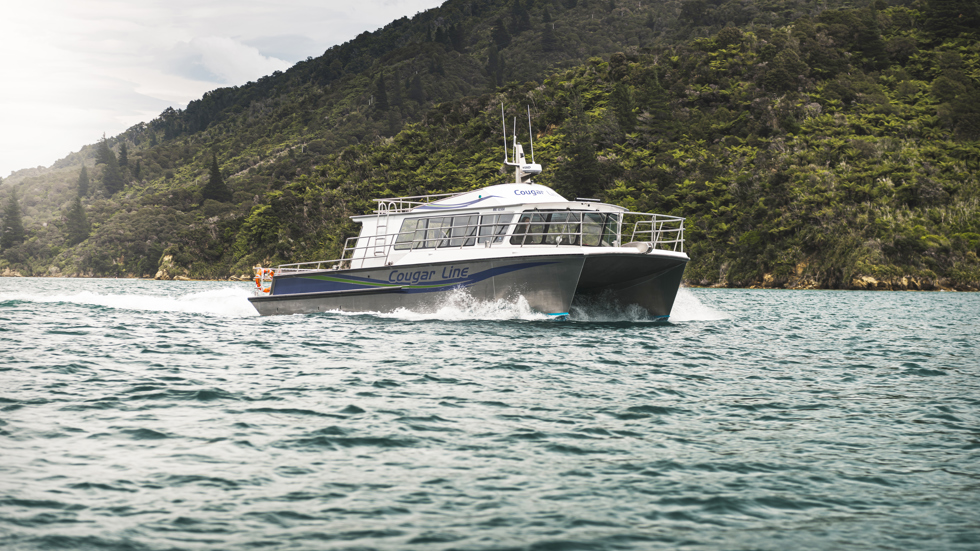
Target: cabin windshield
589 229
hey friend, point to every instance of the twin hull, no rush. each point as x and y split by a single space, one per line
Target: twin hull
548 283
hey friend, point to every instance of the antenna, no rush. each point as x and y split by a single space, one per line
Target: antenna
516 160
503 121
530 133
523 171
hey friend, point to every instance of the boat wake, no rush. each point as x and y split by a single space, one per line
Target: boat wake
603 308
460 305
687 307
226 302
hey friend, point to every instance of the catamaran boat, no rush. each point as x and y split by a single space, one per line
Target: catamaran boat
500 242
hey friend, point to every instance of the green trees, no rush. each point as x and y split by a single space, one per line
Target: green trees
83 182
499 34
578 175
950 18
623 104
11 227
77 226
495 67
415 91
112 176
216 188
380 94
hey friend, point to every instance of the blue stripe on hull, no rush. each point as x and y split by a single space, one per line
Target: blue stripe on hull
419 279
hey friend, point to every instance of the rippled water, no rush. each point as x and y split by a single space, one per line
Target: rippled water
166 415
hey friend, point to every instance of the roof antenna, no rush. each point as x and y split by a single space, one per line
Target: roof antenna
503 121
518 156
523 171
530 133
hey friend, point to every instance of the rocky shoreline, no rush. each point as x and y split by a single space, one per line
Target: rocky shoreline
857 283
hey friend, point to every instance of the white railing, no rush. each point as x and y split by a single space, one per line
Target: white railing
395 205
662 232
529 228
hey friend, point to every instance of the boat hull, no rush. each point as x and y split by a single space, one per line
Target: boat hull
649 281
548 284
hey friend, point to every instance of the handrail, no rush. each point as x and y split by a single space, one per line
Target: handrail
395 205
659 231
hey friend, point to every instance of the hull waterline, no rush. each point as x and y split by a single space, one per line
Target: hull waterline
547 283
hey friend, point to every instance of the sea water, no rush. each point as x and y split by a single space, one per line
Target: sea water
140 415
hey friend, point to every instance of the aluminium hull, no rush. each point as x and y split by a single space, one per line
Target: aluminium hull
548 284
647 280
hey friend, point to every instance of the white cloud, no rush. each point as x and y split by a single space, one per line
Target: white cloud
71 70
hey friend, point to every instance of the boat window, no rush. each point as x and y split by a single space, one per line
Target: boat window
455 231
589 229
437 233
464 231
611 231
521 230
563 228
494 225
531 229
411 231
592 223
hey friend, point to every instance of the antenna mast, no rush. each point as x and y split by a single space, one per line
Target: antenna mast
530 133
523 171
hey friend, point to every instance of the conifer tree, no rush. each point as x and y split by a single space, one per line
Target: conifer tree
623 104
415 91
457 37
579 175
549 41
12 227
522 19
83 182
216 188
442 36
495 67
77 226
381 94
500 35
123 155
112 178
103 152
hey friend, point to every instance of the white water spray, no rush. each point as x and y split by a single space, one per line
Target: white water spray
227 302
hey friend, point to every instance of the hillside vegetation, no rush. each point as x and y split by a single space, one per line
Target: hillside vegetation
807 145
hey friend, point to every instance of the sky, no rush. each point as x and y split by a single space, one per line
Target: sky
71 70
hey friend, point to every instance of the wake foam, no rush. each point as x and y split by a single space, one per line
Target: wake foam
687 307
604 308
460 305
227 302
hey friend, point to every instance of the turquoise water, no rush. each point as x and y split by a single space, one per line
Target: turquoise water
165 415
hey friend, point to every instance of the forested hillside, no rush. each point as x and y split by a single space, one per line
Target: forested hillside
809 144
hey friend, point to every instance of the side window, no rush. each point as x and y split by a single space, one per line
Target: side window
520 232
610 234
592 223
503 222
464 231
494 227
563 228
538 229
408 232
437 234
